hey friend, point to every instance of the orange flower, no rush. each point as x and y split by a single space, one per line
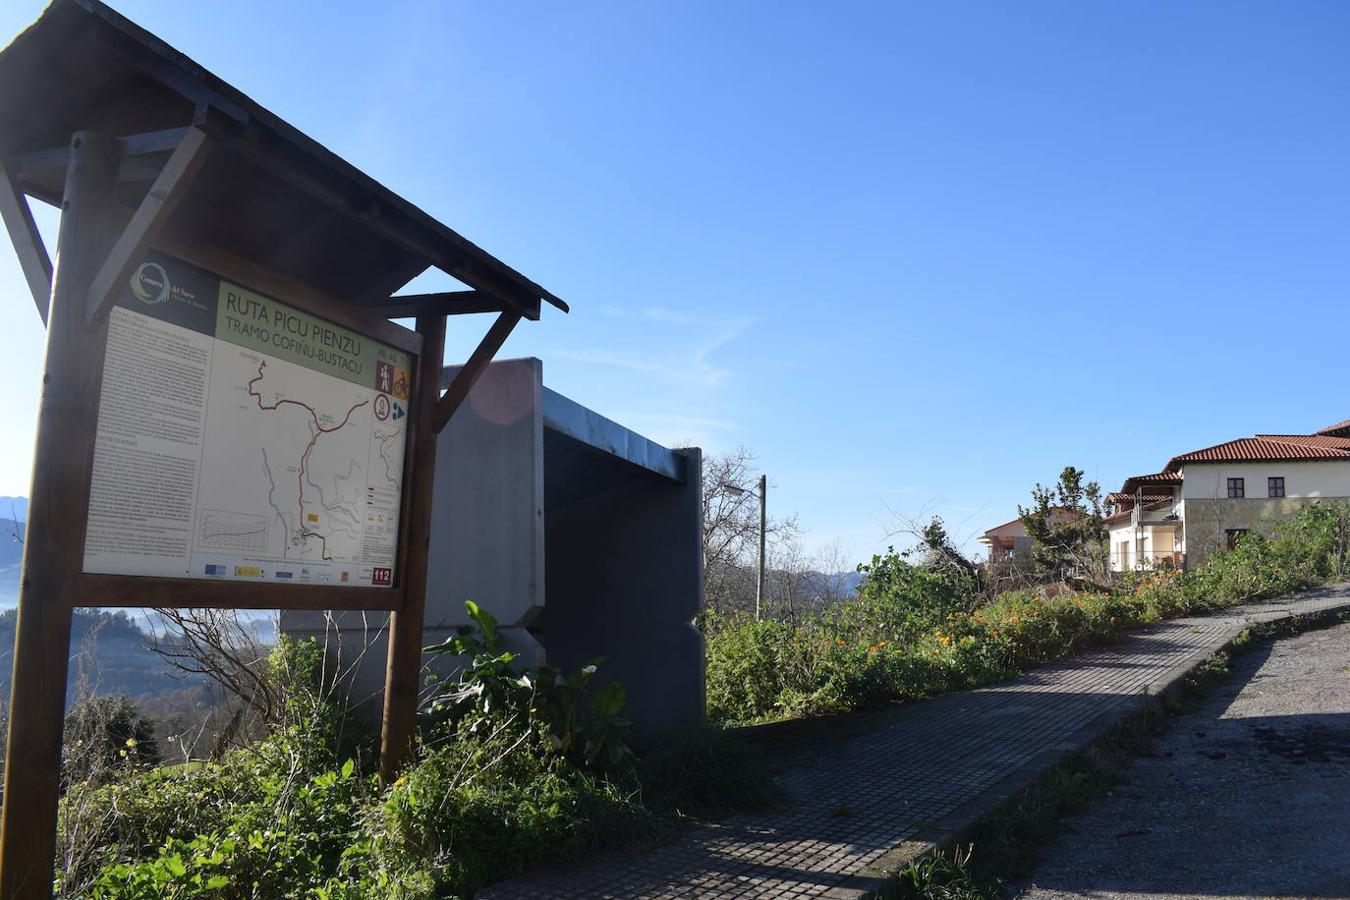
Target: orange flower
840 641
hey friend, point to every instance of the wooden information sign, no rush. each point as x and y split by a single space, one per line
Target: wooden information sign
242 438
228 416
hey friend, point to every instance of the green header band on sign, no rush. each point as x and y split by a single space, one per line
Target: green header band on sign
257 322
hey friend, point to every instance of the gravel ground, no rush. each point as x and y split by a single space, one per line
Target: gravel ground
1248 796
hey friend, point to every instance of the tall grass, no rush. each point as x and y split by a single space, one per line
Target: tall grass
913 633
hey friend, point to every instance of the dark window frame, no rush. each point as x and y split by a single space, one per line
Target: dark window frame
1275 486
1237 488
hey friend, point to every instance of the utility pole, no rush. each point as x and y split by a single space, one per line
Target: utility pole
763 521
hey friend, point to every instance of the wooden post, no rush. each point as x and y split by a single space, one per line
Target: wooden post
404 669
473 369
763 526
53 554
23 232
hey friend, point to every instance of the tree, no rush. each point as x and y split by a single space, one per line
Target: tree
102 732
1067 529
731 530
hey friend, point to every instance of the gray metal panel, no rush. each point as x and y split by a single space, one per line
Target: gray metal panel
568 417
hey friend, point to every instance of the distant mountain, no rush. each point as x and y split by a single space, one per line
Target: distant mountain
110 655
11 553
12 508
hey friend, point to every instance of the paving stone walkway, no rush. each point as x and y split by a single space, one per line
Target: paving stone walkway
917 767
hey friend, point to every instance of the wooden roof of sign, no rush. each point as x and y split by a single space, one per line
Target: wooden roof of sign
265 193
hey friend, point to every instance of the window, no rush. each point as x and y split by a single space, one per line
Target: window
1233 534
1236 488
1274 487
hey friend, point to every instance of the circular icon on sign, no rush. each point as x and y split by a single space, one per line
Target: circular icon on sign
150 283
381 407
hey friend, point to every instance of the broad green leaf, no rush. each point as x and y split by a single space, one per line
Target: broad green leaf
485 621
609 699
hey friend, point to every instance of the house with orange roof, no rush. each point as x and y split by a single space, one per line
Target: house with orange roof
1006 541
1205 500
1010 540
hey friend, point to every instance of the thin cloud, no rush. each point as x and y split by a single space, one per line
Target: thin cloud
677 430
692 366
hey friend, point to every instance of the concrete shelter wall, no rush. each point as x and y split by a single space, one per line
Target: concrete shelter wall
577 552
624 582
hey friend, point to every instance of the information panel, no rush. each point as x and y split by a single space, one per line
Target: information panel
242 438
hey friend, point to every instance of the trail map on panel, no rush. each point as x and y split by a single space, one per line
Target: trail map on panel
241 438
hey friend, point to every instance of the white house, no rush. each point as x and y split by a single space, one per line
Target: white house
1204 500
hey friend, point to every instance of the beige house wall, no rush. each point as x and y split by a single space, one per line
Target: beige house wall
1127 542
1303 478
1207 521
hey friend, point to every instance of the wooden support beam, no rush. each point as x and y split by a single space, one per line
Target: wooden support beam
403 673
196 593
147 222
450 253
33 258
447 303
473 369
53 552
40 162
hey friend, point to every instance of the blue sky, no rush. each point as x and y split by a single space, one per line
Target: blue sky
917 256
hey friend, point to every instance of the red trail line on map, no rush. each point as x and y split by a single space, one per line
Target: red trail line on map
304 457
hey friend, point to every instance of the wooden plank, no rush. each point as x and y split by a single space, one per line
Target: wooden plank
148 221
38 163
448 303
23 232
54 543
404 665
473 369
167 593
292 291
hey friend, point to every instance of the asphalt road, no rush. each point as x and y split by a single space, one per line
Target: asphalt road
1248 796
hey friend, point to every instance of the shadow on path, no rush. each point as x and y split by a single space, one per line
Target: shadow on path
1249 795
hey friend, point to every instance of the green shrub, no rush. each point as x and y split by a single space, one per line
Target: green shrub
592 734
489 804
528 768
913 633
268 827
103 736
273 819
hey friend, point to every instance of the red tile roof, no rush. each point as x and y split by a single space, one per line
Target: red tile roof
1310 440
1119 496
1340 428
1132 483
990 532
1259 449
